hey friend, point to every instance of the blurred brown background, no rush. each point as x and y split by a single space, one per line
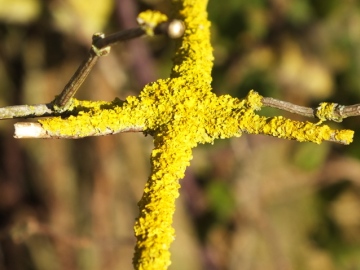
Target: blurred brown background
251 203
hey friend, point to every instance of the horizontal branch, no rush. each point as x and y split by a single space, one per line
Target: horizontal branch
35 130
41 110
27 130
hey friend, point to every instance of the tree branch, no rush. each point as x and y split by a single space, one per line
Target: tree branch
27 111
287 106
27 130
335 112
41 110
35 130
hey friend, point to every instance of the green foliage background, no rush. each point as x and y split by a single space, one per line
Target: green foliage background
249 203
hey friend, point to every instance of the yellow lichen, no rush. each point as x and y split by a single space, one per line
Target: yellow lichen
325 111
344 136
96 117
150 19
181 112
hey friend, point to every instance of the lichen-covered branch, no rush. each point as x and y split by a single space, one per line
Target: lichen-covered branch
325 111
181 112
282 127
153 228
96 118
31 130
223 117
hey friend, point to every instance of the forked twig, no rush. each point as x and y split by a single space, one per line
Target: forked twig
100 47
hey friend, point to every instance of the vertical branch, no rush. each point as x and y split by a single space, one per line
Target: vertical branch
172 153
153 228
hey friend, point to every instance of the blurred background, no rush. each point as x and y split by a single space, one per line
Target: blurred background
250 203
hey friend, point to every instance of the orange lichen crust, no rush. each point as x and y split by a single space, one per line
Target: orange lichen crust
180 112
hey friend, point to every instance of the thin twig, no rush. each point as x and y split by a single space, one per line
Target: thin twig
173 29
351 110
27 111
339 112
62 101
115 38
287 106
100 47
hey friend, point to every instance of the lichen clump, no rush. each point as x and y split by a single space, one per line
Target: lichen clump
149 19
326 111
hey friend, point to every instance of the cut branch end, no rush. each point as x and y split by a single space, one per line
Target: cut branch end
25 130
